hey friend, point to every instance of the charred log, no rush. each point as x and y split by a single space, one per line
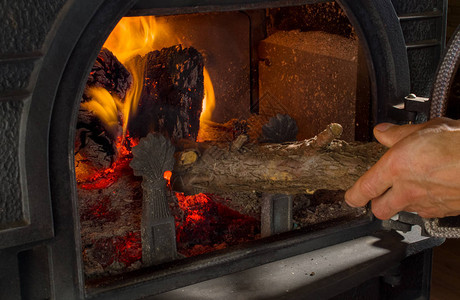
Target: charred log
171 100
170 103
94 142
108 72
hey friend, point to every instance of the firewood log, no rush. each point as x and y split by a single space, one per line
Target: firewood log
108 72
96 141
171 100
289 168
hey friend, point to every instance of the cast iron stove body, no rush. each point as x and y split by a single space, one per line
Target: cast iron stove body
49 48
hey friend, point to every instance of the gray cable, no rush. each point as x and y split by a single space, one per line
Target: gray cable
445 76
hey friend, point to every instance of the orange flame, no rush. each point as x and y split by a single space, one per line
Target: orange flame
167 175
131 39
209 100
103 105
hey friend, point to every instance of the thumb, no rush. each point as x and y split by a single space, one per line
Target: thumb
389 134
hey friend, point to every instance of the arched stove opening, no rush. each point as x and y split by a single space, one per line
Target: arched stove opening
51 123
205 83
110 253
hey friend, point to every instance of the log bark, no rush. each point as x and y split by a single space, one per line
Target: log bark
108 72
171 102
95 141
171 99
227 132
290 168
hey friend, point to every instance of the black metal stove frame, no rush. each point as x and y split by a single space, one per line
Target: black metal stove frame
47 51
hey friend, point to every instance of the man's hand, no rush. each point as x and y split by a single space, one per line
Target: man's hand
419 173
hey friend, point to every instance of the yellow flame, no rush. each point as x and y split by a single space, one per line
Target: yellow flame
209 100
136 67
132 36
131 39
103 105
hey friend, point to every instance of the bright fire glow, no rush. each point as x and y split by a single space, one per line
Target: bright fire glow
167 176
209 100
103 105
132 36
137 68
104 178
130 40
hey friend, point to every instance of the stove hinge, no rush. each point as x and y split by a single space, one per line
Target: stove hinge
404 221
447 227
413 110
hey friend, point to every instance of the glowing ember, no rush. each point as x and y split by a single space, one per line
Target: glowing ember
167 175
100 211
129 248
125 249
111 198
206 225
106 177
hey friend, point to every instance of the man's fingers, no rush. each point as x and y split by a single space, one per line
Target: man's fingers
389 134
404 195
386 206
371 185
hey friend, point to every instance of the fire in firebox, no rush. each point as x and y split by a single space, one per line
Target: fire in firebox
134 89
151 80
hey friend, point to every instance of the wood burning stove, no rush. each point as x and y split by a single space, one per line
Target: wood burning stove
46 69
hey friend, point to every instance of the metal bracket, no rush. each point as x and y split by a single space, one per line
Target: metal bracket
276 214
404 222
413 110
447 227
152 157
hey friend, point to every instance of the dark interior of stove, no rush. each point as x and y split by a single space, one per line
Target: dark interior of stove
190 141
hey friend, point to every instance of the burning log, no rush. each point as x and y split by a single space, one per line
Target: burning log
109 73
93 142
96 140
172 96
289 168
171 102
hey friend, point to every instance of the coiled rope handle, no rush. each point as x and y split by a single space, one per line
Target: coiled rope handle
445 76
439 95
